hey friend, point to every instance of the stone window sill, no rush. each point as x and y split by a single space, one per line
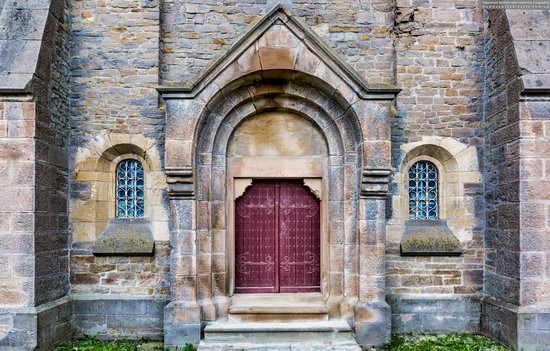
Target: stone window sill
125 237
429 238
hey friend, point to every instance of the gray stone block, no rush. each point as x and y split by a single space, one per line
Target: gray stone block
124 236
372 323
434 315
177 335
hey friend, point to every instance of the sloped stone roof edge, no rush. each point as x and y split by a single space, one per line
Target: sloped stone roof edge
20 46
341 68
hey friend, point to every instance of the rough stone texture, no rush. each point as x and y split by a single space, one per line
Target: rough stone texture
113 317
34 164
114 69
516 113
126 237
39 328
440 69
413 314
439 66
429 238
113 275
51 87
461 275
195 32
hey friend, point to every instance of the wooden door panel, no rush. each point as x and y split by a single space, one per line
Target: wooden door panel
299 238
277 238
255 239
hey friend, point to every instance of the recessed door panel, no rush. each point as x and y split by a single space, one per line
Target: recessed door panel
255 239
299 238
277 238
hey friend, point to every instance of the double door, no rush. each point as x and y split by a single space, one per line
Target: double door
277 238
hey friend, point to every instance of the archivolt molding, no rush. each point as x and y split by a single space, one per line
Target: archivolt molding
280 64
341 133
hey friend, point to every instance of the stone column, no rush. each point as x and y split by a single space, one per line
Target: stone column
182 316
372 312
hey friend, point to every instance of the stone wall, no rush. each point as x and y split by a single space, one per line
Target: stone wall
51 86
115 317
195 32
17 192
114 69
502 178
34 134
111 275
516 278
439 67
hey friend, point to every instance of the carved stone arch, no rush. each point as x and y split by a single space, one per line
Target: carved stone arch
342 136
229 107
278 65
95 166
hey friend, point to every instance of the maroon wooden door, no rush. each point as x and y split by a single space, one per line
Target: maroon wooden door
277 238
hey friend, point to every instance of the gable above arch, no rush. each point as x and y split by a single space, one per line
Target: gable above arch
279 41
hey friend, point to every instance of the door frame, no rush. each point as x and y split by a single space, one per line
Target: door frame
241 172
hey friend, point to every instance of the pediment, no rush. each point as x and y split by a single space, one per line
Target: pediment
279 41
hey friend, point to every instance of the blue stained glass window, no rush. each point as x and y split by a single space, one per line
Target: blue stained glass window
129 189
423 191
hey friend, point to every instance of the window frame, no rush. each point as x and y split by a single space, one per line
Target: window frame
437 191
118 162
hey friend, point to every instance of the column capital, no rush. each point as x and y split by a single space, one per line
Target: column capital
181 182
375 182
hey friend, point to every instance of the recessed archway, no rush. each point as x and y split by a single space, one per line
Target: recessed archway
305 134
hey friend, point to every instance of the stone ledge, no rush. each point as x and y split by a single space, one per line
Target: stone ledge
126 237
429 238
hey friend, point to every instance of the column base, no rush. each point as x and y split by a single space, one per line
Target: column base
182 325
372 323
522 328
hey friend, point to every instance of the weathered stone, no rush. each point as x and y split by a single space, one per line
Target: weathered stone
125 237
429 238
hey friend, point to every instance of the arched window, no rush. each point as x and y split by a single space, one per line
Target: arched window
423 191
129 189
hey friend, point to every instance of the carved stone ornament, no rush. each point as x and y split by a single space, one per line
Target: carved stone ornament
374 182
180 182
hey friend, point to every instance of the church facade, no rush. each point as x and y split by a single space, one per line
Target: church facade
216 172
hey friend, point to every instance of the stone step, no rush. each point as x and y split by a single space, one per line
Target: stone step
278 308
295 332
300 346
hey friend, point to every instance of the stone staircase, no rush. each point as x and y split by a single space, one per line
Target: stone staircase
281 322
